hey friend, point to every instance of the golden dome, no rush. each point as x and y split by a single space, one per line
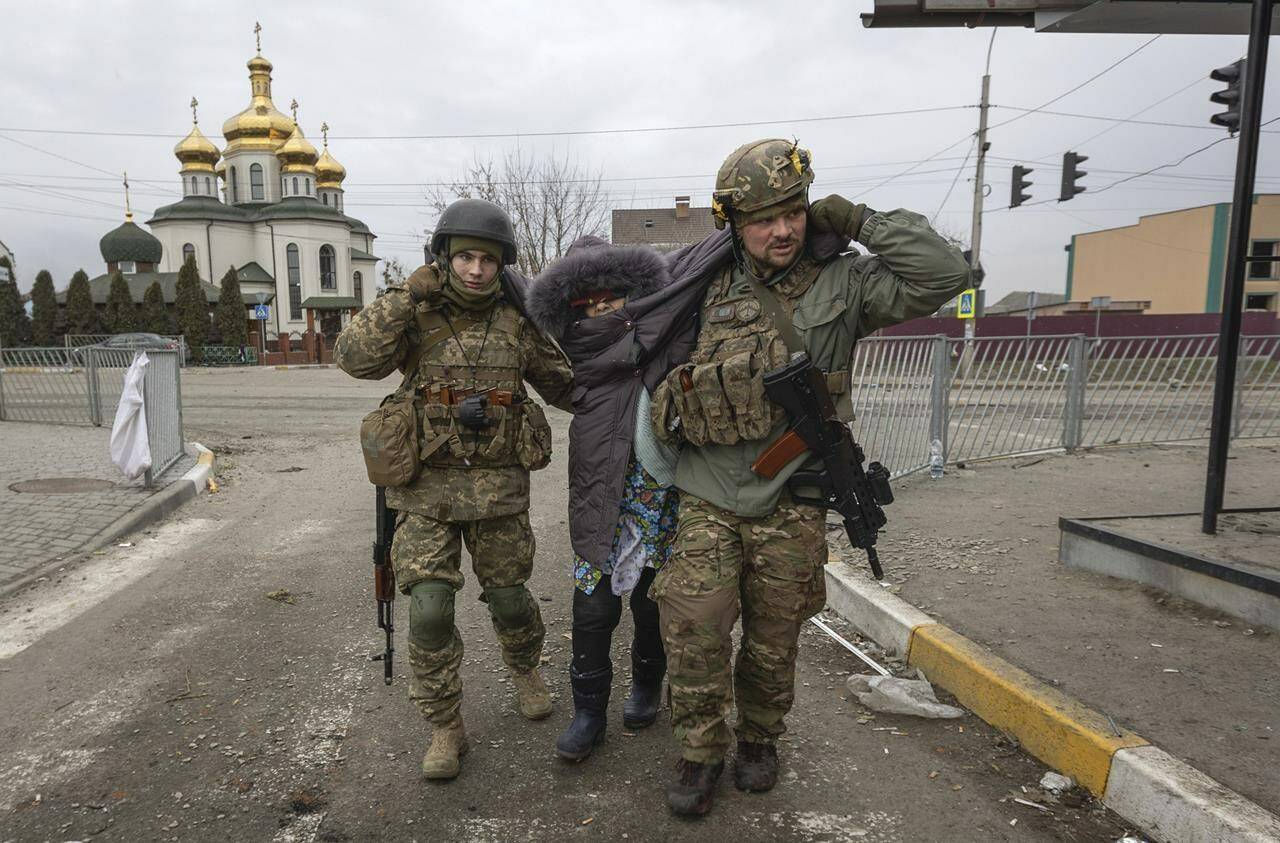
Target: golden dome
261 125
297 155
196 152
329 173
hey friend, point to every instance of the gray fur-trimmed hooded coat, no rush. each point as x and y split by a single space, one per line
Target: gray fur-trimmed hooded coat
614 355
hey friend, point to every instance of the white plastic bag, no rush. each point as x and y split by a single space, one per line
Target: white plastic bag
130 451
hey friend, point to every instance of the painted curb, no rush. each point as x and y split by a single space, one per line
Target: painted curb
154 508
1163 796
280 367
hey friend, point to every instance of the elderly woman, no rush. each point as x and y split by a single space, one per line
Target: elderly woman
625 317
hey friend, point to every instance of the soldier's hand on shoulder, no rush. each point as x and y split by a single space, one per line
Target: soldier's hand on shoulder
424 282
839 216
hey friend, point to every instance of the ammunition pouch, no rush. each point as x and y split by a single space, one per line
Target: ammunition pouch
389 441
721 402
533 442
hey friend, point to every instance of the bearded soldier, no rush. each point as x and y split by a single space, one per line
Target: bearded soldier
457 332
743 546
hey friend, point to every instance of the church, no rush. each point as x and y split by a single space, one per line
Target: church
270 205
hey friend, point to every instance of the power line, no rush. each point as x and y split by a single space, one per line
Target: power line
954 180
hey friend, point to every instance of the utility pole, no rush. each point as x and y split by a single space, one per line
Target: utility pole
979 186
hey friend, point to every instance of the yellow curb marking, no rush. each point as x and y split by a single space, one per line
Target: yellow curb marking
1061 732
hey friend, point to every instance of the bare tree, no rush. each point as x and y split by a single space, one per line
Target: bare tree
393 272
552 201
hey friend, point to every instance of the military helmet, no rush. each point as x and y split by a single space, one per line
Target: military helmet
760 174
475 218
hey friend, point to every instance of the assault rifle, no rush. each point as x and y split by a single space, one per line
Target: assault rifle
384 576
843 486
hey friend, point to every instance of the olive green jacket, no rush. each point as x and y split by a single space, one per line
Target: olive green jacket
911 272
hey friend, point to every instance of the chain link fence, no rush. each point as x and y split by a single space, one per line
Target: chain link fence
1009 396
82 385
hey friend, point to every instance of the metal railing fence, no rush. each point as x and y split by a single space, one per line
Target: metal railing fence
1007 396
82 385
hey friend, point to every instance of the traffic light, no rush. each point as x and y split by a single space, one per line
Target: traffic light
1071 173
1020 185
1230 97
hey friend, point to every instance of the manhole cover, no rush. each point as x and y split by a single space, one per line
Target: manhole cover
61 486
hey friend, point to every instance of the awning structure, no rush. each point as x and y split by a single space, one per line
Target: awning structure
331 303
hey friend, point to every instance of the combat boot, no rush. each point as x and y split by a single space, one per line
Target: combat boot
641 707
535 702
590 706
691 793
755 767
448 745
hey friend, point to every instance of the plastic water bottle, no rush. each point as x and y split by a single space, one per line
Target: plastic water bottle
935 459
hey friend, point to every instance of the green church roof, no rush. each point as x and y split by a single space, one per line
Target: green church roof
128 242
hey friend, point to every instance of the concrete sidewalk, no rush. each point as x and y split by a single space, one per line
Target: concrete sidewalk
39 528
978 551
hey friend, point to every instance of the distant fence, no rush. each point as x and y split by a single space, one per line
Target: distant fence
1005 396
83 386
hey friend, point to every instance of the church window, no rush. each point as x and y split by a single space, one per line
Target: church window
256 187
328 273
208 186
235 187
128 267
195 186
295 185
295 281
325 197
308 181
188 251
357 286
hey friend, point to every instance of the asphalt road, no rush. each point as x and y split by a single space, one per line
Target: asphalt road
155 692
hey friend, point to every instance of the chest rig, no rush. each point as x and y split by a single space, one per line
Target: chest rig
718 396
469 355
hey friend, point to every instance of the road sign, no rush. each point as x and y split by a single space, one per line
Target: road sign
1100 302
968 304
261 312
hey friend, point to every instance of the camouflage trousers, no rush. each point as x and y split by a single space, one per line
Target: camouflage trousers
767 569
501 555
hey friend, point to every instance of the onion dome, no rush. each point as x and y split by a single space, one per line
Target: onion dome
261 125
297 155
129 242
196 152
329 173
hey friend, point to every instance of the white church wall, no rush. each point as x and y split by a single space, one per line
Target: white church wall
199 183
369 280
173 235
234 244
243 162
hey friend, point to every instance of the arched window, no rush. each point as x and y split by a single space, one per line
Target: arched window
235 187
328 268
295 185
308 183
188 251
325 197
357 286
295 281
257 190
208 186
195 186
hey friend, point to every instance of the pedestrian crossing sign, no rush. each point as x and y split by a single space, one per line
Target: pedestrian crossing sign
261 312
967 304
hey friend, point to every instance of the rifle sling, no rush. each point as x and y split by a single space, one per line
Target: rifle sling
431 340
837 382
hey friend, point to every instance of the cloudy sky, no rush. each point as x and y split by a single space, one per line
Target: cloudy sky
72 74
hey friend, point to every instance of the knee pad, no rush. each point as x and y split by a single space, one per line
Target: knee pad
431 615
511 606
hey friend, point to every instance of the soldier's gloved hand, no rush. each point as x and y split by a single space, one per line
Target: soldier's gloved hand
838 215
424 282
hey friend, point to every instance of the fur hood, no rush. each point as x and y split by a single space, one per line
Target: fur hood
593 264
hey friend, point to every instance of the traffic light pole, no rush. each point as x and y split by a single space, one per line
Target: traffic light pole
1237 252
975 239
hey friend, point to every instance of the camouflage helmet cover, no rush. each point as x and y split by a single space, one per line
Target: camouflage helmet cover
475 218
759 174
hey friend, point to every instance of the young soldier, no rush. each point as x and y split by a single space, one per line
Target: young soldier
457 332
743 546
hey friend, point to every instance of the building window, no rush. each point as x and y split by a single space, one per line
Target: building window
295 281
195 186
325 197
308 182
1262 249
128 267
235 188
188 251
1259 301
295 185
208 186
328 269
257 190
357 286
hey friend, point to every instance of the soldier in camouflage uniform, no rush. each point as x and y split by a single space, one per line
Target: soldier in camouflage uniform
456 330
743 547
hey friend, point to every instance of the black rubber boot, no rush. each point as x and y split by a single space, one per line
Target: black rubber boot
691 794
755 768
590 704
641 707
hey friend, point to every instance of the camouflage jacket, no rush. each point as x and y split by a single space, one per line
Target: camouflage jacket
467 475
910 272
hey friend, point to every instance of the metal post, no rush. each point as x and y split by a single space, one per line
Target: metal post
1073 410
1237 250
1237 415
1 381
939 393
91 383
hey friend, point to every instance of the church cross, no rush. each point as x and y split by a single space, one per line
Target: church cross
257 35
194 103
128 212
293 106
324 130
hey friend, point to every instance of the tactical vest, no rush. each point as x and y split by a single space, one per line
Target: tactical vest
465 354
718 396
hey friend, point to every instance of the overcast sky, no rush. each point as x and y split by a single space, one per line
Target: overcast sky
504 68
